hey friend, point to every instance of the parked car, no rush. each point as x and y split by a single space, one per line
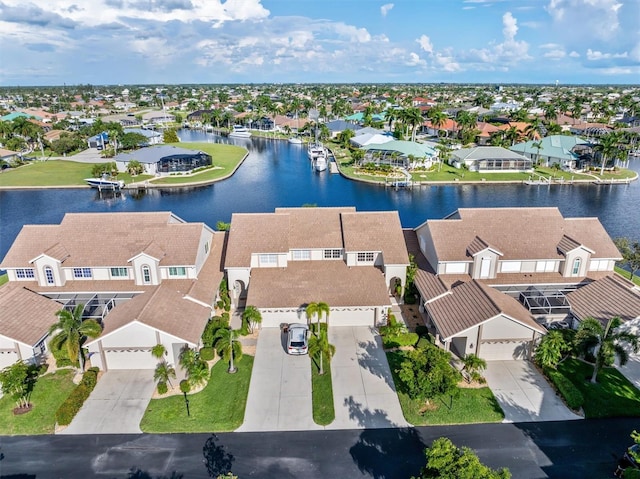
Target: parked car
298 338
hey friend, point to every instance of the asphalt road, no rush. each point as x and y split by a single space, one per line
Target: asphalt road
572 449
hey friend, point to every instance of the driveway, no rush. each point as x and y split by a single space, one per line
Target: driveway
631 370
116 405
524 394
364 395
280 389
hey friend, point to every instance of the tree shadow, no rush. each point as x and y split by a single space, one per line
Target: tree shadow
372 358
216 459
366 418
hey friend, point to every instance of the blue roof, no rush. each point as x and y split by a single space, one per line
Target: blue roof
360 116
18 114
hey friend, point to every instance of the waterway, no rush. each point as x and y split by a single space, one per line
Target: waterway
277 173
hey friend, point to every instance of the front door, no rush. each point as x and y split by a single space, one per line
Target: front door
485 267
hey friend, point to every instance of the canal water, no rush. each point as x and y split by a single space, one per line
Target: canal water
277 173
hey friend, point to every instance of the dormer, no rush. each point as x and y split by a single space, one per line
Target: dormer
576 257
485 259
48 266
146 265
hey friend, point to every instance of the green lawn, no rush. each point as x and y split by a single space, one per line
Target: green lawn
612 396
471 405
622 272
322 394
225 156
4 279
47 173
48 394
218 407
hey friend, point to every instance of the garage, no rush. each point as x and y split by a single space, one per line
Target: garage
7 358
273 318
129 358
504 350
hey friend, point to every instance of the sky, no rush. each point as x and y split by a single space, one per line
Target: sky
104 42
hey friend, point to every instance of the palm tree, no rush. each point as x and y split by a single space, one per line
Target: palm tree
319 347
414 118
607 147
164 372
538 146
438 118
317 310
472 365
158 351
71 332
551 349
251 316
226 345
197 370
605 343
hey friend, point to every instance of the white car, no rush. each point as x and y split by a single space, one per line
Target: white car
298 339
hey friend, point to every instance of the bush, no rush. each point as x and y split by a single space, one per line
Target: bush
210 329
162 388
572 395
404 339
424 341
70 407
62 358
207 353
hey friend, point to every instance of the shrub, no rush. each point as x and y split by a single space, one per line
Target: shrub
210 329
61 357
403 339
424 341
422 331
162 388
572 395
207 353
70 407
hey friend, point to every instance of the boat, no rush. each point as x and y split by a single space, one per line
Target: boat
316 149
294 140
239 131
320 163
104 183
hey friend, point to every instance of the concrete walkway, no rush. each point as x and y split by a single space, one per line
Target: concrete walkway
524 394
116 405
364 394
280 389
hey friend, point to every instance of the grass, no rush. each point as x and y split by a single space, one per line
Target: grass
4 278
48 394
622 272
471 406
225 158
218 407
47 173
322 394
612 396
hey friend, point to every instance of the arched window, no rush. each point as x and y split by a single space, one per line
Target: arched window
48 273
146 274
576 266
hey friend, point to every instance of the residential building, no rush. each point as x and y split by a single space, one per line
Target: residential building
491 159
556 149
164 160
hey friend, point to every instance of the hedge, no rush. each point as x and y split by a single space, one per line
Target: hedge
70 407
207 353
403 339
572 395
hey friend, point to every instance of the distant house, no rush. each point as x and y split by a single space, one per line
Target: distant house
158 117
98 141
491 159
153 137
556 149
338 126
163 160
8 155
485 132
404 154
363 140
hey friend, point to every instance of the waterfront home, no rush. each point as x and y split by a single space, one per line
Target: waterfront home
562 150
152 137
400 153
491 159
164 160
148 278
282 261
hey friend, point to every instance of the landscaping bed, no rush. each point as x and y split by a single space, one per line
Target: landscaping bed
322 394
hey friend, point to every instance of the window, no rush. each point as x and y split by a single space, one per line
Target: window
268 259
146 275
206 248
119 273
301 254
25 273
455 268
81 273
545 266
599 265
365 257
576 267
48 273
177 271
332 254
511 266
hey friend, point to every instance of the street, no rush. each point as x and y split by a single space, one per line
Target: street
571 449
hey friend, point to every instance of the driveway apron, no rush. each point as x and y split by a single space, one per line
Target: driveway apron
524 394
631 370
364 394
280 389
116 405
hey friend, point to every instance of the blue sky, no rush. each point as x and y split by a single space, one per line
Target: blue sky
51 42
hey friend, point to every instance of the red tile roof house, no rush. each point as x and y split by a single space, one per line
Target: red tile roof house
149 278
489 278
282 261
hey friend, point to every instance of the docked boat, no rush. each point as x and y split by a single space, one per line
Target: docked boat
320 163
239 131
294 140
315 150
104 183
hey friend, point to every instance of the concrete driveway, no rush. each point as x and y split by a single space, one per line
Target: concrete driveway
280 389
116 405
631 370
364 395
524 394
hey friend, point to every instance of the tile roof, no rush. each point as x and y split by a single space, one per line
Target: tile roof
606 298
473 303
428 283
519 233
120 237
567 244
486 152
36 314
375 231
302 282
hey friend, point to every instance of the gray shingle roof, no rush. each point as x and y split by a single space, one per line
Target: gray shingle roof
154 154
605 298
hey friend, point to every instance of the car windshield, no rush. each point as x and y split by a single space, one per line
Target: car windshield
297 344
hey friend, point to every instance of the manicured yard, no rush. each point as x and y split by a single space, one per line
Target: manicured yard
622 272
612 396
322 394
4 279
47 173
218 407
471 405
48 394
225 159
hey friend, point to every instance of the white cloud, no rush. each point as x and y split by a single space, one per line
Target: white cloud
595 55
415 60
354 34
555 54
595 17
386 8
510 26
574 54
425 43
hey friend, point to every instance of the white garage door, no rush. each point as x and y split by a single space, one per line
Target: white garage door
352 318
7 358
504 350
140 358
273 319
